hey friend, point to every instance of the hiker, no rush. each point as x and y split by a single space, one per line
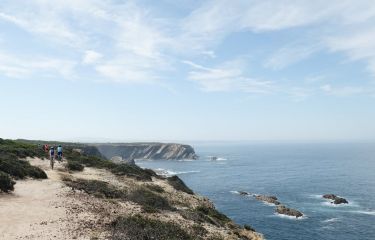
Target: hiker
46 148
59 153
52 156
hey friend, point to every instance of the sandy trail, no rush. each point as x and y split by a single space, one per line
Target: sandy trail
36 208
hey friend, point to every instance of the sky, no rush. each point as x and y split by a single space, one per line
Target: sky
188 70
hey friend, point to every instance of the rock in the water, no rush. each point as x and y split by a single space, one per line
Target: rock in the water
340 200
281 209
330 196
268 199
336 199
243 193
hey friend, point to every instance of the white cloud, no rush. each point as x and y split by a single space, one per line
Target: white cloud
289 55
91 57
125 41
344 91
28 66
227 77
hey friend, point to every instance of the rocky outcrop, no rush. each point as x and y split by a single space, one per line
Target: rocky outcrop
243 193
267 199
281 209
167 151
336 199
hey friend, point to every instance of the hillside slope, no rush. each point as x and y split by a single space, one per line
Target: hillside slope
105 200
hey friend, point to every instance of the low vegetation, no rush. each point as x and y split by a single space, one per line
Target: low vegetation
128 170
6 183
179 185
203 214
95 187
11 153
20 149
154 188
213 214
148 200
141 228
74 166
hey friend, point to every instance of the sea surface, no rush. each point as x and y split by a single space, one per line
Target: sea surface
298 174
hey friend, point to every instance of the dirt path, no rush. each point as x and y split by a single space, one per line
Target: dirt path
36 209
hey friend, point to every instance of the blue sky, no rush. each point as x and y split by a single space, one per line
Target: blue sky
184 70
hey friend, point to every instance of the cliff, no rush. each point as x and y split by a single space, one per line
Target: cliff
167 151
104 200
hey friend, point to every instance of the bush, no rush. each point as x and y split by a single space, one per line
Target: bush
149 200
119 169
21 149
6 183
96 188
212 216
179 185
155 188
9 163
74 166
249 228
140 228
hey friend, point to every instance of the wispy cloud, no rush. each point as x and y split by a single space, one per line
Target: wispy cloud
227 77
289 55
31 66
130 42
344 90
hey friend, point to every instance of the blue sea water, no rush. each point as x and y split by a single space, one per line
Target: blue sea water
298 174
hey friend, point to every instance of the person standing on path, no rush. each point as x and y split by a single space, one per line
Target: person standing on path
52 156
59 153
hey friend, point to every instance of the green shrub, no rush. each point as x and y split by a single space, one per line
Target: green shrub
140 228
96 188
6 183
249 228
119 169
74 166
179 185
149 200
154 188
210 215
198 231
20 149
9 163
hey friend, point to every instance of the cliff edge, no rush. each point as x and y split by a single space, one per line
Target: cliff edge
167 151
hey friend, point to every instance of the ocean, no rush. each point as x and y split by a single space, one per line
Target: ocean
298 174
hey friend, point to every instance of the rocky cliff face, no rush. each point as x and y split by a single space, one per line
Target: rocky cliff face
167 151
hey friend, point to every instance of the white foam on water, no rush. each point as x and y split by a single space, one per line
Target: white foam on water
316 196
304 217
268 204
329 203
235 192
221 159
365 212
186 160
330 220
166 172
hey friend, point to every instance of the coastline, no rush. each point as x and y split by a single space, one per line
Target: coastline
75 213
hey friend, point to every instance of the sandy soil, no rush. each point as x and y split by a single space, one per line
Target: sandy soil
34 210
44 209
